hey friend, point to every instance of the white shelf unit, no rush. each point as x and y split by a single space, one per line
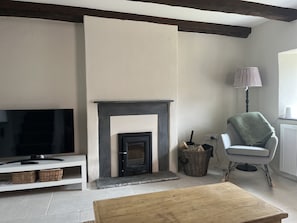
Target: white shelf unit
69 162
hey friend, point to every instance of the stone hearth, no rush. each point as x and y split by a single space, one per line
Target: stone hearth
134 180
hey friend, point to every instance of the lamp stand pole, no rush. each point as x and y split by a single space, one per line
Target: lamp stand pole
247 99
246 167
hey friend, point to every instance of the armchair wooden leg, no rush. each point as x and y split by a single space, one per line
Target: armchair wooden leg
228 171
268 177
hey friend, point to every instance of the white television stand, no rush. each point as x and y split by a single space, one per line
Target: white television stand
70 166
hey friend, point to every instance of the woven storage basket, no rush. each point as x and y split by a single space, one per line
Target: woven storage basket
50 175
24 177
195 163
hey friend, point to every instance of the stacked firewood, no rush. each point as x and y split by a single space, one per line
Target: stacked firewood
194 147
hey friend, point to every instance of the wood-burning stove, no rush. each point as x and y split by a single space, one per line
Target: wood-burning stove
135 153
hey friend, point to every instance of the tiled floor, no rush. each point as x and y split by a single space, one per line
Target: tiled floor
74 206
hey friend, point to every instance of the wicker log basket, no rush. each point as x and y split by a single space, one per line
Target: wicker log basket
50 175
23 177
195 159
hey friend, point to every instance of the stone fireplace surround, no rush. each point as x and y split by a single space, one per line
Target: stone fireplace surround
106 109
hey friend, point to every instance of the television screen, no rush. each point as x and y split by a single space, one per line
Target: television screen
36 132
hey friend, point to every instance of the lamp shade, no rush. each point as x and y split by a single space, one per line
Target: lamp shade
247 77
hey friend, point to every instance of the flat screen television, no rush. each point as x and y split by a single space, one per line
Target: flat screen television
36 132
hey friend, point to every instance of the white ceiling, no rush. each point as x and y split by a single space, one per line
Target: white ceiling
172 11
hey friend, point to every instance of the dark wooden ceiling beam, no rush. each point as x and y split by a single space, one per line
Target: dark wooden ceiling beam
75 14
234 6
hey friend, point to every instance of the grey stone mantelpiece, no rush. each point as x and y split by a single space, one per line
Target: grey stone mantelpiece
106 109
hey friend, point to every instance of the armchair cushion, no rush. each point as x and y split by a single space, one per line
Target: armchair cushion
252 127
247 151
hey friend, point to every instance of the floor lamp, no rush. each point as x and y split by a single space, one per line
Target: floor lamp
245 78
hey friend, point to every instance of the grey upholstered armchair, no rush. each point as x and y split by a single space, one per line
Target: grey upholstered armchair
239 146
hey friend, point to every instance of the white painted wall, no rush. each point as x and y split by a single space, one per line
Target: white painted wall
206 97
128 60
42 66
264 44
